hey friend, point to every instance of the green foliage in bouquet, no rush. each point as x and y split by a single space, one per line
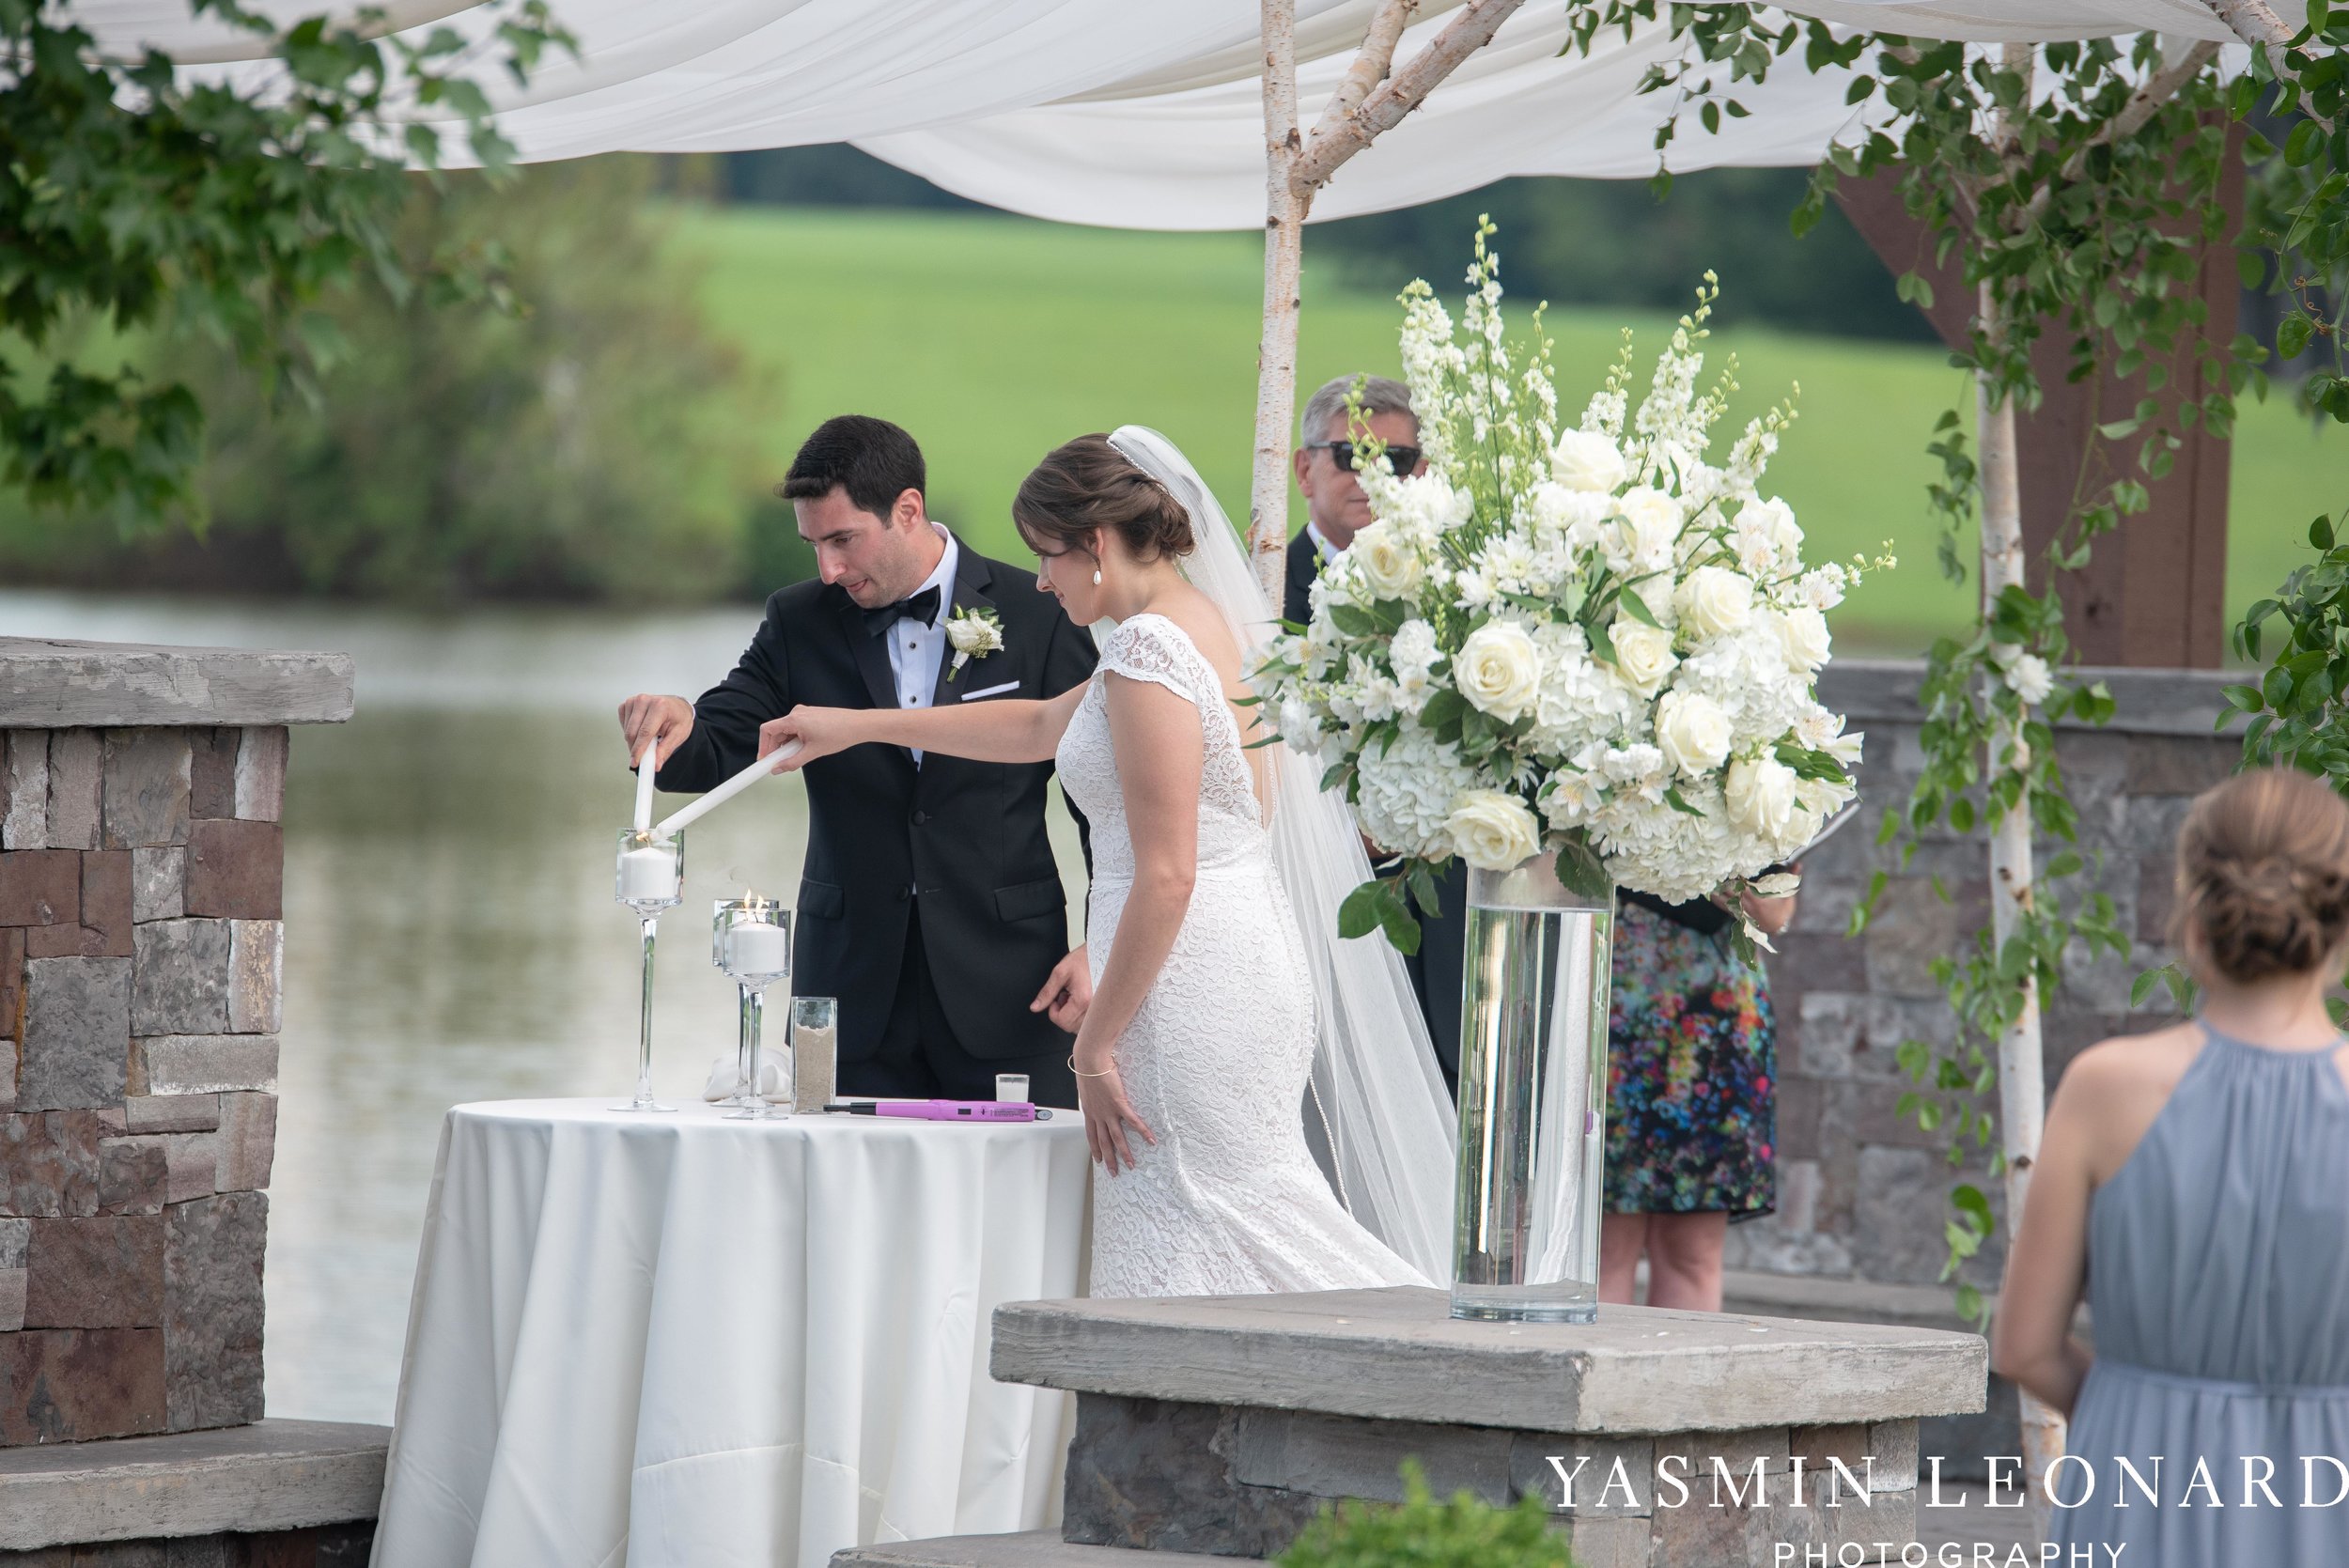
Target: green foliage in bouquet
1422 1533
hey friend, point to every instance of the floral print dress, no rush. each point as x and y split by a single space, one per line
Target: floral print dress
1692 1066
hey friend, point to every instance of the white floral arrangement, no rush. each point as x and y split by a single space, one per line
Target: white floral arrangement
1585 642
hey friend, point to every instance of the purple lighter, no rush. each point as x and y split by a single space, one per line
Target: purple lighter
945 1110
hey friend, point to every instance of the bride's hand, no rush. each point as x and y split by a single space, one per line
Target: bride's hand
1107 1114
817 731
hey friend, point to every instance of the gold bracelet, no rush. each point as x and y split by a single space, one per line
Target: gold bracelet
1081 1073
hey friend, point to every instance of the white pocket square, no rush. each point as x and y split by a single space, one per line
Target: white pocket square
991 690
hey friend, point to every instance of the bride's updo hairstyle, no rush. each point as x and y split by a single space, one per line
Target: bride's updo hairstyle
1086 485
2264 874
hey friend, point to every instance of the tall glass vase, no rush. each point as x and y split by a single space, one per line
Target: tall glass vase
1532 1097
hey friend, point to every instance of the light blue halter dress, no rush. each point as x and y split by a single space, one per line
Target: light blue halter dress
2218 1275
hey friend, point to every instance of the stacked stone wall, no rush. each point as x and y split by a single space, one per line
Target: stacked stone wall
1863 1192
141 964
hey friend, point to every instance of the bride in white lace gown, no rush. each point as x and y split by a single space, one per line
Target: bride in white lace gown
1193 1051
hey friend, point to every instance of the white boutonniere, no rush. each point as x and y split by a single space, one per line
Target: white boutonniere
975 635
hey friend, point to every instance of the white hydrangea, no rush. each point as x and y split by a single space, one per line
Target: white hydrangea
1406 790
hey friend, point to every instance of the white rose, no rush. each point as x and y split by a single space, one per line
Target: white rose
1587 460
1492 829
2030 678
1499 670
1760 794
1644 654
1802 633
1715 601
1693 732
972 635
1389 566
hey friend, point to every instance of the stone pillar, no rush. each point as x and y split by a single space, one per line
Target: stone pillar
142 943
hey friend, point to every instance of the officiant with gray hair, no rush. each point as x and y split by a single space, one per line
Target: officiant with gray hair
1331 446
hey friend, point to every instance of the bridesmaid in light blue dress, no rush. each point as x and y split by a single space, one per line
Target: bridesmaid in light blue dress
2194 1185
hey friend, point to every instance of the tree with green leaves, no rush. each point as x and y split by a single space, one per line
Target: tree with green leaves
597 440
144 194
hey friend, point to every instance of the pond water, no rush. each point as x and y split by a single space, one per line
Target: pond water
450 933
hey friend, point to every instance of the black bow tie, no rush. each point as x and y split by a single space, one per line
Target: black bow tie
922 607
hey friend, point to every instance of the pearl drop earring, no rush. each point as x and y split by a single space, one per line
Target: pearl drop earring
1096 577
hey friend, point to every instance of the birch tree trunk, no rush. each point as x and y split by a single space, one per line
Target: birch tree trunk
2022 1085
1372 97
1283 271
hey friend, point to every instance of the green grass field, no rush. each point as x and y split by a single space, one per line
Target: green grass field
993 338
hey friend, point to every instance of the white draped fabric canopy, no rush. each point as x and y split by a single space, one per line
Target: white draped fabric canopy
1115 112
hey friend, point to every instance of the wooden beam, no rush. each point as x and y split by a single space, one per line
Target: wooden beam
2153 592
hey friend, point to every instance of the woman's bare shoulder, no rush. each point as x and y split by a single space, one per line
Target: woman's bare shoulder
2111 1093
1204 624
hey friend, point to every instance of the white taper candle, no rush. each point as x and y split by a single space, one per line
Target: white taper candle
644 785
762 768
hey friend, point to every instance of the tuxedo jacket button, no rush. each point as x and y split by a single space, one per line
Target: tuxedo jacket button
920 818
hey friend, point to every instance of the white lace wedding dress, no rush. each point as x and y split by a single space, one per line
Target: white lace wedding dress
1229 1201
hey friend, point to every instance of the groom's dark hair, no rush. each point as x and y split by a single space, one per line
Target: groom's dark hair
872 459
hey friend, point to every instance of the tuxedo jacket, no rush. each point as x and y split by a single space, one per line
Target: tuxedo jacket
1304 565
965 838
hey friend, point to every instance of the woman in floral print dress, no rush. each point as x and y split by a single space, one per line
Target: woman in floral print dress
1691 1104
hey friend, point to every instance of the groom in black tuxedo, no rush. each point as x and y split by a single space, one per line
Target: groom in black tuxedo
930 904
1335 508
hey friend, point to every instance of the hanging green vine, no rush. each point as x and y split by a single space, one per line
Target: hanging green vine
2081 206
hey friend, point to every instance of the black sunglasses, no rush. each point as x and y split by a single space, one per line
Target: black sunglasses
1350 454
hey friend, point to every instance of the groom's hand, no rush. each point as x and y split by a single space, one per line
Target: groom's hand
648 718
1067 991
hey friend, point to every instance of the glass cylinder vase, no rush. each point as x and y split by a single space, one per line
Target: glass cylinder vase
1532 1097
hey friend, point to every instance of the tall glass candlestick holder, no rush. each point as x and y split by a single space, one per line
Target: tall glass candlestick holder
742 1085
751 938
650 877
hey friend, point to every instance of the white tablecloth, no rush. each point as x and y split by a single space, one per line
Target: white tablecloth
676 1340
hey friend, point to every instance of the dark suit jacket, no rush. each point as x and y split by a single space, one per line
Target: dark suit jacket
1434 968
968 836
